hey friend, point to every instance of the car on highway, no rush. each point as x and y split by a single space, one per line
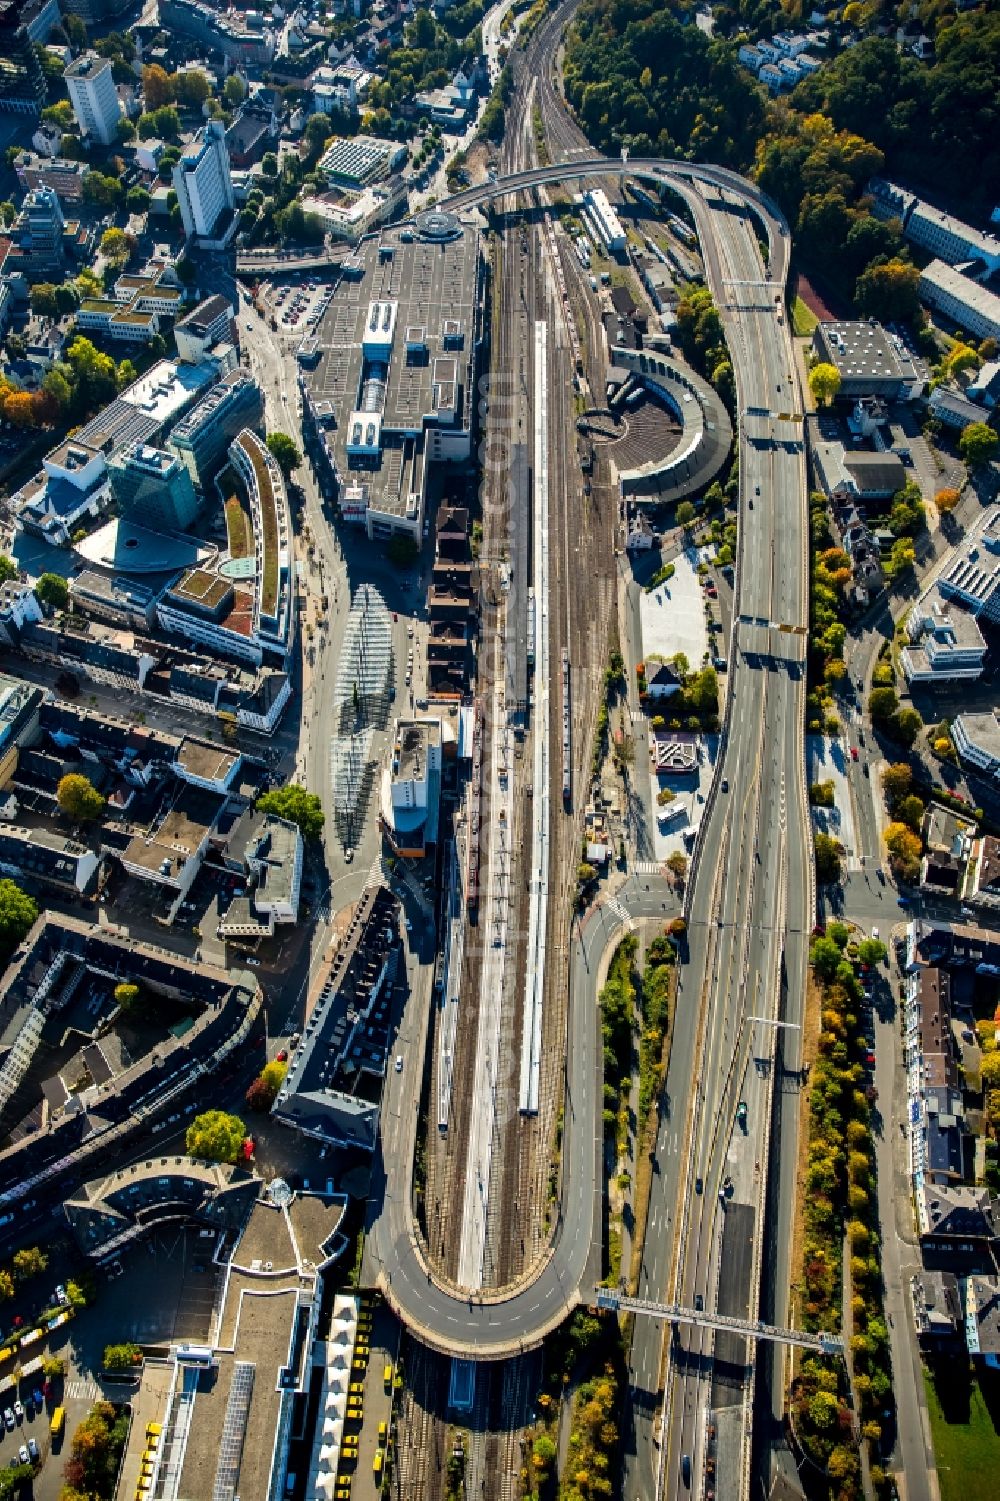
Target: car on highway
725 784
282 1056
686 1469
699 1303
854 753
698 1185
398 1065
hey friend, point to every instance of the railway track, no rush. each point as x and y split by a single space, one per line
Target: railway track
419 1470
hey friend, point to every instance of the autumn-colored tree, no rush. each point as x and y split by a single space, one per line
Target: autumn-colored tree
989 1068
78 798
6 1285
19 409
157 87
115 246
905 850
30 1261
946 500
824 383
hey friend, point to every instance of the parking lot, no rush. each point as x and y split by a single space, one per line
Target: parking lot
297 307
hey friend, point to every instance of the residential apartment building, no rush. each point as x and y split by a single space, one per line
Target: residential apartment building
94 97
22 83
64 177
207 324
204 186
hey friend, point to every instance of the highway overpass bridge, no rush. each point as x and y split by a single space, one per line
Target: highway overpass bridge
663 170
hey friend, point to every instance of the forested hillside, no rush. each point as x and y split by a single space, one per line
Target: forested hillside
637 77
938 125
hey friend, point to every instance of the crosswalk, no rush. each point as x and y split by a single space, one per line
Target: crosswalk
81 1390
647 868
615 906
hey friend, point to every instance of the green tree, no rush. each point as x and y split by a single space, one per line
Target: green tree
53 1366
889 291
76 29
6 1285
284 452
824 383
828 853
906 726
58 387
121 1357
67 298
8 570
60 113
233 91
685 513
53 591
190 88
977 444
269 164
101 191
137 200
871 951
95 374
78 798
825 956
897 779
909 810
882 705
43 300
298 806
17 915
215 1136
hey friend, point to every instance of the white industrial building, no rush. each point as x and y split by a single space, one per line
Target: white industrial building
602 220
941 234
973 307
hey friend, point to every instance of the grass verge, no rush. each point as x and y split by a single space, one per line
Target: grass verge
967 1450
803 319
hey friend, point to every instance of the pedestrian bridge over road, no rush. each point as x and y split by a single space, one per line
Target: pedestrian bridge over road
826 1344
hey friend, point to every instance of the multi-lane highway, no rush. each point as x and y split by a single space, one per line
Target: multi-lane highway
750 911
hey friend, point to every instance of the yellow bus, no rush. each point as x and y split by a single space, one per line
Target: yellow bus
58 1422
